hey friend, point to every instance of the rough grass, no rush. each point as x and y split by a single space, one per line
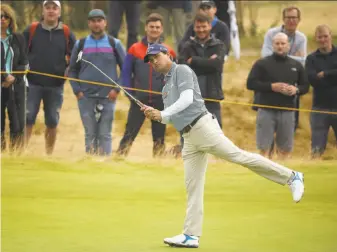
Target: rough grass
89 206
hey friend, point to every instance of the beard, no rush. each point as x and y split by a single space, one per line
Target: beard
99 32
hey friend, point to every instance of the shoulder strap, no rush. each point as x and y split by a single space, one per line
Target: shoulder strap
79 49
81 45
66 31
32 30
112 41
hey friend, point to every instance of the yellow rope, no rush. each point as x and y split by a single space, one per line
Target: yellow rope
154 92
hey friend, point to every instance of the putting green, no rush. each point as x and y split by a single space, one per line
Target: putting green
59 206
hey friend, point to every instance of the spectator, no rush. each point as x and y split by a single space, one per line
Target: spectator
49 45
3 61
219 29
278 78
97 103
138 74
297 42
132 14
321 67
13 86
205 55
176 10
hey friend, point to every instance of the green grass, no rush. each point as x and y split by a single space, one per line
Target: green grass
52 205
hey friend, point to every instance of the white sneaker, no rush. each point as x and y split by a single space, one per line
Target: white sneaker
297 186
183 241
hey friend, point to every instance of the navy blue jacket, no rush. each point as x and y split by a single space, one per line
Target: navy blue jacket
47 54
325 89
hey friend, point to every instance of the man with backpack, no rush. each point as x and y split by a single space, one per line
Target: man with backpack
49 46
96 102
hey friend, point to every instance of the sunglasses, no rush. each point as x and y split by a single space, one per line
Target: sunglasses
5 16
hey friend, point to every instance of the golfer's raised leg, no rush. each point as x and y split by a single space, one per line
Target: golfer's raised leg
226 149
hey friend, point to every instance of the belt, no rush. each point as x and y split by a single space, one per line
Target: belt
190 126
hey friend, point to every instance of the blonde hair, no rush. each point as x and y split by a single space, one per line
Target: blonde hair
321 28
9 11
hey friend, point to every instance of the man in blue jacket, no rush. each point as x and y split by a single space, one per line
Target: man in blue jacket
97 103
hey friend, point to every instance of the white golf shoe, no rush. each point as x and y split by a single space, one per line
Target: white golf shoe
297 186
183 241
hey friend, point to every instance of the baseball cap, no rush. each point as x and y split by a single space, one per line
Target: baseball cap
153 50
55 2
209 3
96 13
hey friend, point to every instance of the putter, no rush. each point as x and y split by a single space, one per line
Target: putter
79 58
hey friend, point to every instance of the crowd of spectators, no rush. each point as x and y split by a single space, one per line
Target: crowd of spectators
203 41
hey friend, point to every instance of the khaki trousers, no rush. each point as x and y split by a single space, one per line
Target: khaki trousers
207 137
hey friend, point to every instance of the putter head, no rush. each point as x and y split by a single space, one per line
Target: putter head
79 56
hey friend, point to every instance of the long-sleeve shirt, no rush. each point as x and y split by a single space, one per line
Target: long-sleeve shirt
298 43
276 68
325 89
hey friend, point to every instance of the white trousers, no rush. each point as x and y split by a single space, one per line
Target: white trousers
207 137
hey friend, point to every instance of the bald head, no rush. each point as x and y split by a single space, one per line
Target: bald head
280 35
280 44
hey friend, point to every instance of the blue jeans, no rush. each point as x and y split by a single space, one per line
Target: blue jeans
98 138
52 98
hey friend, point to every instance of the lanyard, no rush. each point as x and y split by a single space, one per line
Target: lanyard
292 44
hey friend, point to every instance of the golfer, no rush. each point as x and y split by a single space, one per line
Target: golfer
185 109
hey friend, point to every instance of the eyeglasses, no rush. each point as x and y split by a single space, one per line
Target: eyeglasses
291 17
5 16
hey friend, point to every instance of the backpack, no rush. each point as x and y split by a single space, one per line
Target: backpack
81 46
66 32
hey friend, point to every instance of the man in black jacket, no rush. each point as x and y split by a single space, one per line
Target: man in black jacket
48 50
279 79
321 68
218 28
205 55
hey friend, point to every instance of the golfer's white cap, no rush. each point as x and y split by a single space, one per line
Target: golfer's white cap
55 2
